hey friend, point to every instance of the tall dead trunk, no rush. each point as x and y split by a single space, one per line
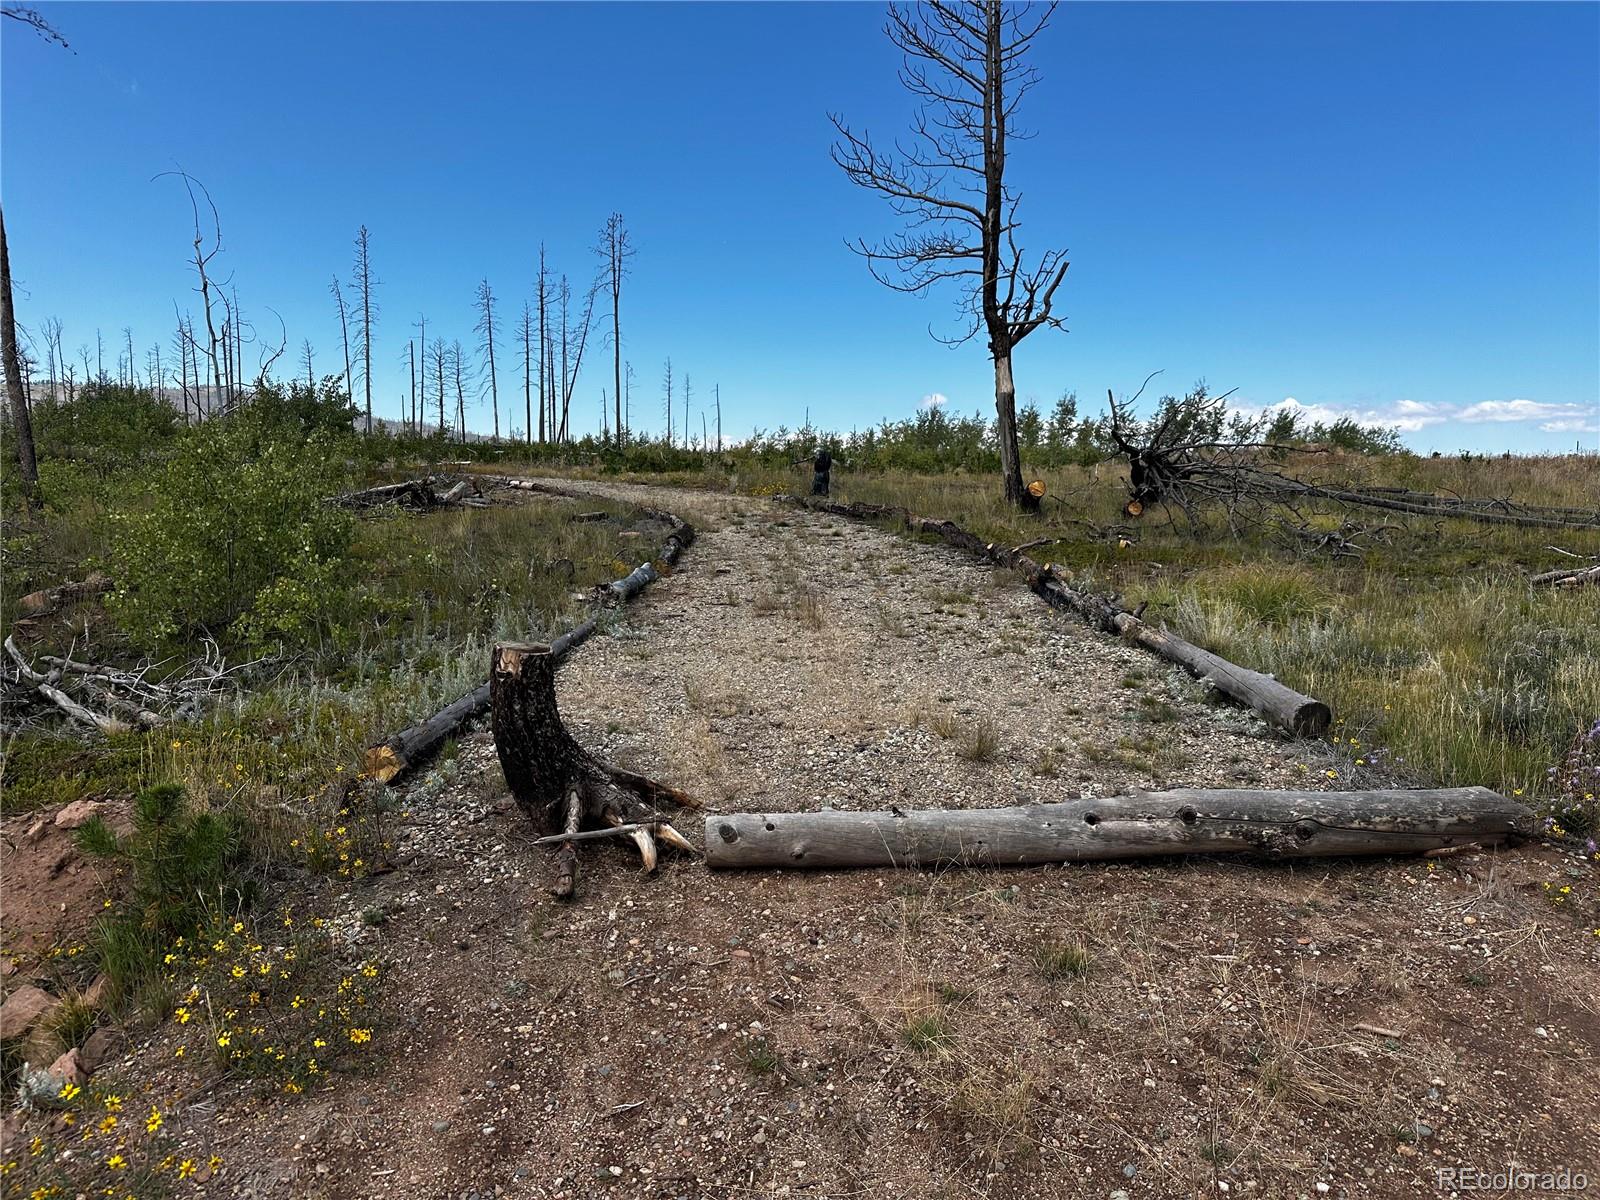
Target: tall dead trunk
21 419
1005 408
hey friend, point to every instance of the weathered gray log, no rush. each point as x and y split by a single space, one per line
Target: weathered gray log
455 492
1148 824
553 779
1274 702
1568 578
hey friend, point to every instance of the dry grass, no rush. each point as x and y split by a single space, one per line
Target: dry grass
1439 660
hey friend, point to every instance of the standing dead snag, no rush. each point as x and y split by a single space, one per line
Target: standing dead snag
558 783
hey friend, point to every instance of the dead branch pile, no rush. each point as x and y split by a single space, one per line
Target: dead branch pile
1195 458
431 491
113 700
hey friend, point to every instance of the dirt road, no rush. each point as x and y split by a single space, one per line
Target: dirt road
1155 1030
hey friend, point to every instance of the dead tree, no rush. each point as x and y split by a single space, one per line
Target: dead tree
21 419
716 392
527 372
558 783
545 402
667 385
616 251
576 339
486 328
966 64
363 282
203 257
457 366
344 335
440 359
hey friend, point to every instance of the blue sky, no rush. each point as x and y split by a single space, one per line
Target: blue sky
1390 210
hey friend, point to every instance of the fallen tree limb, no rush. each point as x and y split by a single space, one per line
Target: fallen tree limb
1280 706
1568 578
390 759
1148 824
553 778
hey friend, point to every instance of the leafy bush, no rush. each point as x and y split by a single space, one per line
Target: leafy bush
235 534
106 423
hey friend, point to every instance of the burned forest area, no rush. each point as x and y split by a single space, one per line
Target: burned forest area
438 761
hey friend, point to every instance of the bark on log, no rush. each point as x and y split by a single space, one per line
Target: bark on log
554 780
1279 705
1568 578
1142 825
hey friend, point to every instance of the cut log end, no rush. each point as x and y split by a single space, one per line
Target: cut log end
1312 719
382 763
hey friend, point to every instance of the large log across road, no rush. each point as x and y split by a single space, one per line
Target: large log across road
1275 703
1142 825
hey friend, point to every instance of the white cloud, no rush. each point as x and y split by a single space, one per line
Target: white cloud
1408 416
1513 410
934 400
1587 424
1412 416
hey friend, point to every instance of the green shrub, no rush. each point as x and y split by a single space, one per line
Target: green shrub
236 535
184 866
105 423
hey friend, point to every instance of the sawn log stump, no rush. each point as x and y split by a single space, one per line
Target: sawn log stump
561 786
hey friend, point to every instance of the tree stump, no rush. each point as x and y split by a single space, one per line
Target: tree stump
555 781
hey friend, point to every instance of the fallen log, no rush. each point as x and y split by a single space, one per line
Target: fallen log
1568 578
42 603
1262 694
1142 825
554 780
1277 704
418 493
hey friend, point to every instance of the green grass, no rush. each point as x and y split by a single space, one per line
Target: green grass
1056 960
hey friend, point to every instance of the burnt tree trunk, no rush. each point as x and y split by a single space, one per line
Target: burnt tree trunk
1143 825
554 780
